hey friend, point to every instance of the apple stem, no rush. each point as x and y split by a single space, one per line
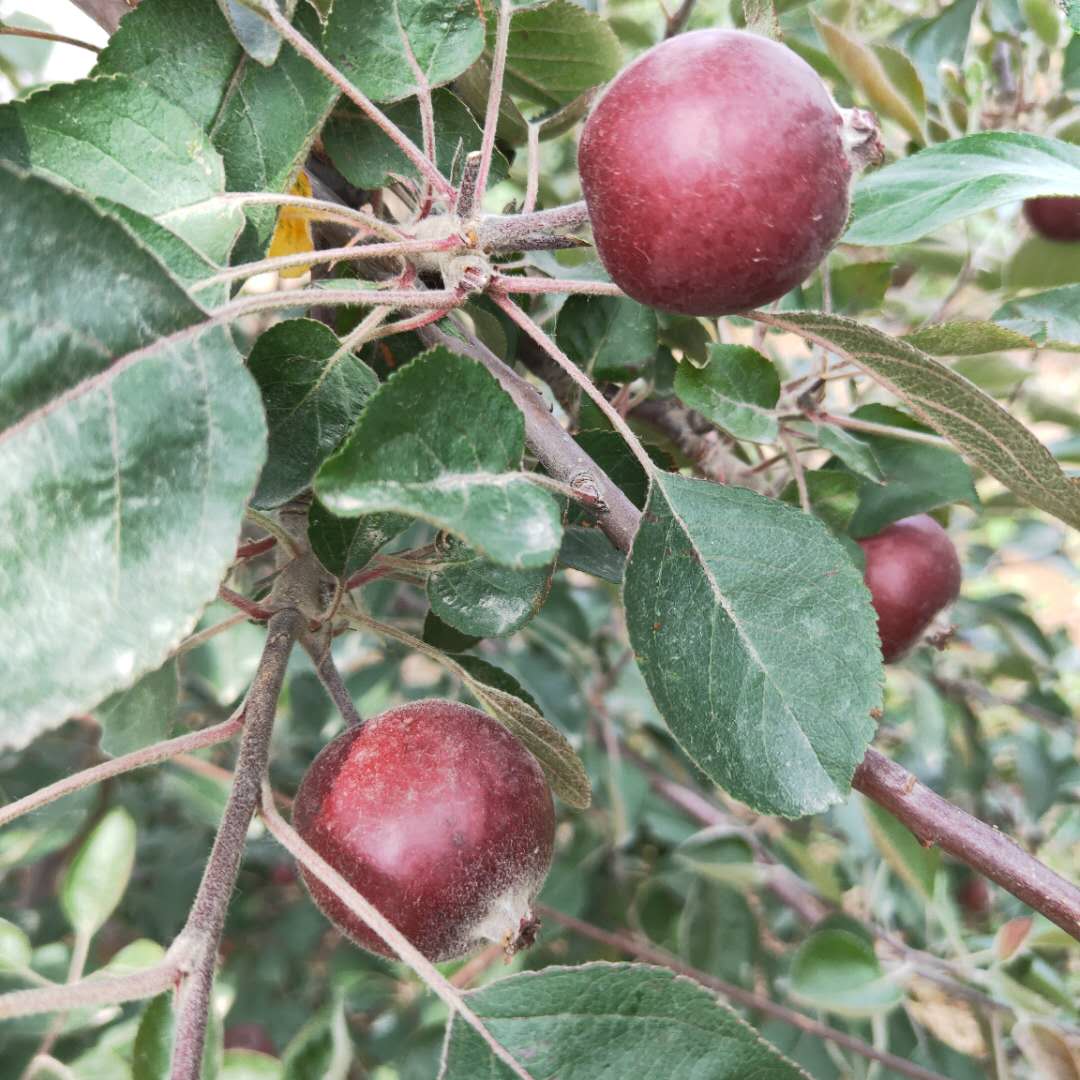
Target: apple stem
495 89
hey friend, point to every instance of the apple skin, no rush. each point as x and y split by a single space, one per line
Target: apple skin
912 572
437 815
251 1036
1054 217
716 170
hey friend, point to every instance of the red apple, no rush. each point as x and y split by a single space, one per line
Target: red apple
1054 217
912 572
250 1037
437 815
716 169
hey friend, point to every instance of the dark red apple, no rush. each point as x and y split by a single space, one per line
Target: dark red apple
912 572
441 818
250 1037
716 169
1054 217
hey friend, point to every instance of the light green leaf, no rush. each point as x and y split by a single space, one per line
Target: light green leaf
258 37
966 338
942 184
557 51
250 1065
380 43
837 971
608 337
111 137
322 1049
15 947
441 441
972 421
756 637
1042 264
136 956
130 440
1051 318
914 864
142 715
736 390
484 599
930 41
857 454
98 875
613 1020
313 390
367 158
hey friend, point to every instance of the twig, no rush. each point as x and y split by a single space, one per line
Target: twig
275 301
495 88
466 196
934 820
309 52
255 547
47 35
330 677
653 955
137 759
251 609
548 345
207 917
315 864
532 174
797 471
676 23
887 430
538 285
273 527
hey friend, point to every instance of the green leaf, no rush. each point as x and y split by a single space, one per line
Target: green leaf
1072 15
135 956
608 337
1051 318
834 496
250 1065
857 454
914 864
367 158
98 875
930 41
966 338
110 137
154 1040
1044 17
587 549
480 671
441 441
756 637
609 450
856 287
837 971
257 36
322 1048
736 390
942 184
717 931
313 390
130 439
484 599
864 69
345 545
379 43
1042 264
445 637
972 421
613 1020
557 51
15 947
142 715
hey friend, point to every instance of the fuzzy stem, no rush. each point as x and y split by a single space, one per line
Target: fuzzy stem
318 867
854 424
532 174
137 759
466 196
309 52
495 89
548 345
207 916
538 286
330 677
46 35
406 298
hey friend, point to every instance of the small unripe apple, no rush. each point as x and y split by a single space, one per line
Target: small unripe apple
912 572
1054 217
716 169
441 818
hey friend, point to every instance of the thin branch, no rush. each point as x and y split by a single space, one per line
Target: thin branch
538 285
548 345
887 430
466 196
273 527
653 955
502 233
309 52
532 169
316 865
48 35
137 759
495 89
298 298
676 24
934 820
330 677
251 609
255 547
207 917
797 471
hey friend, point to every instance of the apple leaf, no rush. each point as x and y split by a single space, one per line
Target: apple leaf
608 337
1051 318
579 1023
141 715
98 875
757 640
838 971
442 441
920 194
985 433
737 390
130 439
966 337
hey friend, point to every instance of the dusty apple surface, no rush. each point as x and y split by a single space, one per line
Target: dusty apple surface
1054 218
716 173
912 572
437 815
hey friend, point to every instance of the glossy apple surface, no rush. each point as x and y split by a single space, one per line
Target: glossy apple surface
912 572
716 172
1054 218
437 815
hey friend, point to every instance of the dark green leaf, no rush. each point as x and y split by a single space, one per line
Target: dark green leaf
489 675
757 640
939 185
608 337
610 1020
736 390
142 715
345 545
1051 318
98 875
838 971
313 390
154 1040
441 441
834 496
929 41
587 549
130 439
445 637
